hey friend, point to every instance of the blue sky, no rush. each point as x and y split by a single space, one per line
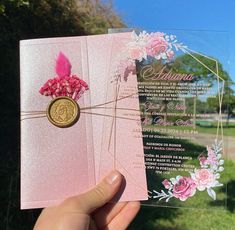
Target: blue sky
215 15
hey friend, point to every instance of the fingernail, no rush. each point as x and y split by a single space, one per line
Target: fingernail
113 177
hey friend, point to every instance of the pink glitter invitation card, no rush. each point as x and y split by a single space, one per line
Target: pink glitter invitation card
63 91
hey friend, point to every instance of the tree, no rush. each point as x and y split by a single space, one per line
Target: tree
26 19
186 64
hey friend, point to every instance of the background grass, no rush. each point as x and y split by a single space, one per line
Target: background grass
227 130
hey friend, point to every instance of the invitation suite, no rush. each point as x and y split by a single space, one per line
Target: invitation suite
149 104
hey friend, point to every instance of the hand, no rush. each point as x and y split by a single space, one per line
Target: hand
90 211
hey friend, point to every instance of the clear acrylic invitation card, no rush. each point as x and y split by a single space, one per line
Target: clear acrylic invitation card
169 89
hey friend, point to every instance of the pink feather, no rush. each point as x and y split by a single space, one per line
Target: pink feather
63 66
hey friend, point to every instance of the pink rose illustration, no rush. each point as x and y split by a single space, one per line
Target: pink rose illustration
212 158
204 178
184 188
159 34
126 68
170 54
202 160
156 46
136 52
166 184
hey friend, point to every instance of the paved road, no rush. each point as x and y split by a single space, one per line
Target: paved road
229 143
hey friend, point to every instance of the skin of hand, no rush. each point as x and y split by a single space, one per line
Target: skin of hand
91 210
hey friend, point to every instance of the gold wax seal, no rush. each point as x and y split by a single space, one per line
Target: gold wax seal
63 112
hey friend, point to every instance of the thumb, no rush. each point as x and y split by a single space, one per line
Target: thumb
87 202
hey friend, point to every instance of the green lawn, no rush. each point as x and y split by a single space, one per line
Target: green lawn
227 131
212 218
